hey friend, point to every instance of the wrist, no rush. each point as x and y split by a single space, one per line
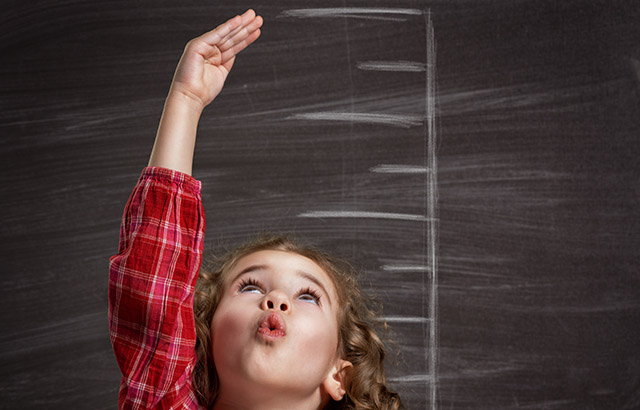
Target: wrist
185 102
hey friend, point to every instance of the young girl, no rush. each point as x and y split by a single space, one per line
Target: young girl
276 325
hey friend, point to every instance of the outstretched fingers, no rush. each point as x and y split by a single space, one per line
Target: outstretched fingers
217 35
228 39
245 19
241 37
233 30
228 56
237 47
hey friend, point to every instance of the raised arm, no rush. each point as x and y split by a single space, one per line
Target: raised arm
199 77
152 277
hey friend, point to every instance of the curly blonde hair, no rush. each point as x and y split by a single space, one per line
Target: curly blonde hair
358 343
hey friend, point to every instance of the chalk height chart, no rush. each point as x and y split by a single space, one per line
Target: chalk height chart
394 202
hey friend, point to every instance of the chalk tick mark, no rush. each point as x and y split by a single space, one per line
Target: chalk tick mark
362 214
393 120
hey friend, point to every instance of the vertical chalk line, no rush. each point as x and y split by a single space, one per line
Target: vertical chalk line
351 123
425 225
431 207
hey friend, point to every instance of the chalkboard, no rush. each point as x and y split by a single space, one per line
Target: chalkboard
478 160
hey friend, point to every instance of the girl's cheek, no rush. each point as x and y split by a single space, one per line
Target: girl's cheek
225 324
321 326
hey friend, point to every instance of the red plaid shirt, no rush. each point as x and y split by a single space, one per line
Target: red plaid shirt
151 286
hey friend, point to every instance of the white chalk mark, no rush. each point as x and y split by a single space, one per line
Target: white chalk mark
354 12
403 319
394 120
399 169
414 378
406 268
399 66
362 214
431 207
372 17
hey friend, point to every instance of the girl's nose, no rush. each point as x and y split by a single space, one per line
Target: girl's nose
275 300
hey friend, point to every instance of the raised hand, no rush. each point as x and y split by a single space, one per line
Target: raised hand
207 59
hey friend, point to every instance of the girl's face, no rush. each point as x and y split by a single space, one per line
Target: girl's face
275 330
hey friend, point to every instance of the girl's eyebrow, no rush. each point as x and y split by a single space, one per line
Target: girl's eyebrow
300 273
315 280
248 269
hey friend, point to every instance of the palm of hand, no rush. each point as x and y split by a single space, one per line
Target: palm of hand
200 76
207 60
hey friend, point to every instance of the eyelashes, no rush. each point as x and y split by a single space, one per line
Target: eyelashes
248 285
306 294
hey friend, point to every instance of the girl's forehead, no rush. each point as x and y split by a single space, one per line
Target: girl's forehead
277 257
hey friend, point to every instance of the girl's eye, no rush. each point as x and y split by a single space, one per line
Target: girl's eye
249 285
309 295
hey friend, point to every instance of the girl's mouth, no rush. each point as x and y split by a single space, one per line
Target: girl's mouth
272 326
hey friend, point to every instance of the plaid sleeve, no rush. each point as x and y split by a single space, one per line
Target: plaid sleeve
151 286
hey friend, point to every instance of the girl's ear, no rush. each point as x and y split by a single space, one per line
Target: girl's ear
334 383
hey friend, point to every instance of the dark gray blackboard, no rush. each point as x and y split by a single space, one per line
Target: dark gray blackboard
484 176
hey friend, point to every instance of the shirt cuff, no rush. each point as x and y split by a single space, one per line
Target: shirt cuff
171 176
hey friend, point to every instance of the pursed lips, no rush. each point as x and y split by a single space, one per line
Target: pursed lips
272 325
